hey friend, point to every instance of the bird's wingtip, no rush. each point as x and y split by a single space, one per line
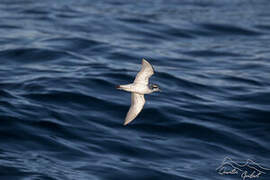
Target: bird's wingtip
127 122
143 59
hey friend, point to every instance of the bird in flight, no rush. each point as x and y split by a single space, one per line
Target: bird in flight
138 88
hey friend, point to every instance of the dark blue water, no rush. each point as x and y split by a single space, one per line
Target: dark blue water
62 118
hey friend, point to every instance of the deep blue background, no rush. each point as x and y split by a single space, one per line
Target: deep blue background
62 118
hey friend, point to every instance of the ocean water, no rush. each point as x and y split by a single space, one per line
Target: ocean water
62 118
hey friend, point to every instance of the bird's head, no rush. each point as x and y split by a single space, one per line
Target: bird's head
154 87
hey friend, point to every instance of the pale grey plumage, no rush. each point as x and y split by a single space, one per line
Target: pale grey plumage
137 103
138 88
145 73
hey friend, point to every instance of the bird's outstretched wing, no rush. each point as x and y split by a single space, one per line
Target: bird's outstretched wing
137 102
145 73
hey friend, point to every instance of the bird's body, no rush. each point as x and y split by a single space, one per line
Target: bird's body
138 88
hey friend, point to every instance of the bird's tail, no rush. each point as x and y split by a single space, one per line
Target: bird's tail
125 87
118 87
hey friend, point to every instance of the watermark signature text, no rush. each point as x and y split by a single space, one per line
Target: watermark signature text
247 170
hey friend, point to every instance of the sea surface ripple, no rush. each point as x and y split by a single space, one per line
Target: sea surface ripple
62 118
